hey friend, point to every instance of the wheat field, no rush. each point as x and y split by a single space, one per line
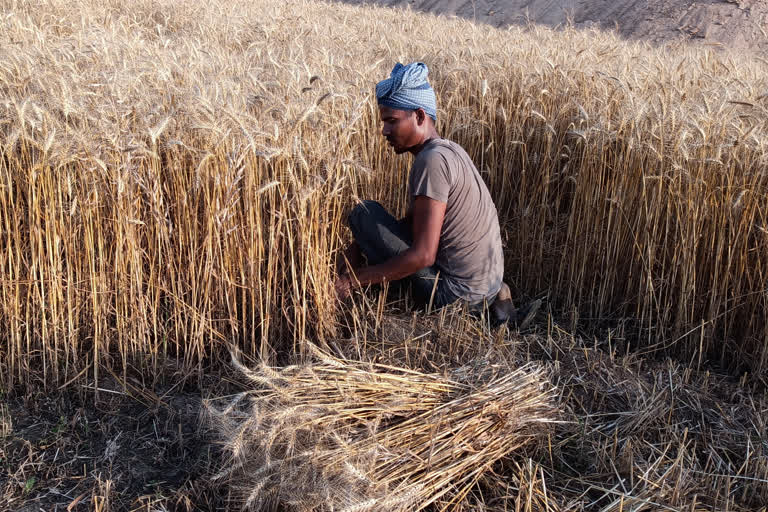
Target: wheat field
176 174
175 177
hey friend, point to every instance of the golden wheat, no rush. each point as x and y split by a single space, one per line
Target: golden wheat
176 173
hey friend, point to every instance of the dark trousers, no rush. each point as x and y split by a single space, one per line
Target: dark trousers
381 236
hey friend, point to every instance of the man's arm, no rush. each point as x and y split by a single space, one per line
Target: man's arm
428 215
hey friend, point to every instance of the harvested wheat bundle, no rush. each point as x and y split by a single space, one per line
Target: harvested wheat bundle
347 435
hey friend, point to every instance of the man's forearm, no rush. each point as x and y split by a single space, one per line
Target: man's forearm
404 264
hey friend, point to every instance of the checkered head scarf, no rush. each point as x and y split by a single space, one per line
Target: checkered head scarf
407 88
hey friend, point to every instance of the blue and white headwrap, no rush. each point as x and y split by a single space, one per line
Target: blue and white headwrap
407 88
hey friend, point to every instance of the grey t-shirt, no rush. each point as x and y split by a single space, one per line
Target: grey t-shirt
469 255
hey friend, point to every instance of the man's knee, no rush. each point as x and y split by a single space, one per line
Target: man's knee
362 215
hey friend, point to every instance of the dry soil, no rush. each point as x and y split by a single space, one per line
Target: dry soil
737 24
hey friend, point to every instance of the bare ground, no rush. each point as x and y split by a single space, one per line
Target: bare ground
132 448
737 24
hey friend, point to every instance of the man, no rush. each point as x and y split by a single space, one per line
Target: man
448 246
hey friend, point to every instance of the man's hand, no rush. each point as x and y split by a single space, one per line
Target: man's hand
343 286
350 258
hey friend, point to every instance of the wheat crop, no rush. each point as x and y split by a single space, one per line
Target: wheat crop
175 174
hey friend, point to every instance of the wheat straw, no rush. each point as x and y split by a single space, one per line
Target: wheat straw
344 435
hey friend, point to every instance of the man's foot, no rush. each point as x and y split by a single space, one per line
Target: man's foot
503 309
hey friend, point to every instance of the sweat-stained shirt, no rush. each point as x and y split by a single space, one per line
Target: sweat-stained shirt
469 255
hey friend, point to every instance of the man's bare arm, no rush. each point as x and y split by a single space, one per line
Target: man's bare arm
427 215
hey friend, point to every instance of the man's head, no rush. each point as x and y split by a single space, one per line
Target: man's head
407 106
405 129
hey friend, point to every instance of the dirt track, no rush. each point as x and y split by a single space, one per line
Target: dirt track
731 23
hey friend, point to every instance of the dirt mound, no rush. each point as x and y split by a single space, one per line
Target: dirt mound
736 24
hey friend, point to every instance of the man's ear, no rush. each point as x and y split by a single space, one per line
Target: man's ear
421 116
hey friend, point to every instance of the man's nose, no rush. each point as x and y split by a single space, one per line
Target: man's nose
385 130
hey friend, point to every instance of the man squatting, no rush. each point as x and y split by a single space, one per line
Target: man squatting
448 246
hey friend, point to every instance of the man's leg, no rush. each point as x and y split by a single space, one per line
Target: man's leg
380 237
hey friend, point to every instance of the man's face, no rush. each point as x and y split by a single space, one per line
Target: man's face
400 127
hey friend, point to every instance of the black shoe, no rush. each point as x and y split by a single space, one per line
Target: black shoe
525 315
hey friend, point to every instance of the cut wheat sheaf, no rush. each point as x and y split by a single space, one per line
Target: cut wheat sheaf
346 435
